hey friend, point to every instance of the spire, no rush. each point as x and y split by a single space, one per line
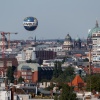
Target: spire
97 24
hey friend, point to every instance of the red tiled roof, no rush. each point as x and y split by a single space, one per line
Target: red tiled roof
93 69
77 80
96 70
78 55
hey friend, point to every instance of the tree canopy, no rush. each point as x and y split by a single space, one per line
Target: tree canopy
93 82
57 69
66 76
10 74
20 79
67 93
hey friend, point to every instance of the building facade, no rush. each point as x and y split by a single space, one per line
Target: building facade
32 72
77 43
33 54
5 63
67 45
95 33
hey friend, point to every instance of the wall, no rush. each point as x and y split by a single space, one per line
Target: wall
44 84
35 76
4 95
24 97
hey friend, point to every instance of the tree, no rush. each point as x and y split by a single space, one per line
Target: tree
55 72
56 97
14 68
20 79
50 87
64 59
69 71
40 61
10 74
67 93
93 82
44 80
66 76
59 68
86 60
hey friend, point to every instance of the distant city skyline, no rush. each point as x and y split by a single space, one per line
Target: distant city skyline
56 18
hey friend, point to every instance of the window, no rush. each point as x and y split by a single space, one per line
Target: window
98 34
29 73
24 77
30 48
9 63
94 35
29 77
1 64
23 73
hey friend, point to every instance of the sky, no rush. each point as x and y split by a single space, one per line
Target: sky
56 18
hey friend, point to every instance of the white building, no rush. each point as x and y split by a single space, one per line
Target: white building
95 32
48 62
5 95
96 47
44 84
55 49
28 53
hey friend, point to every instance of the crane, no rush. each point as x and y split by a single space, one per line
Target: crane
9 38
3 41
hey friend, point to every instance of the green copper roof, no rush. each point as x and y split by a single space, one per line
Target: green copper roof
90 35
68 38
94 30
77 39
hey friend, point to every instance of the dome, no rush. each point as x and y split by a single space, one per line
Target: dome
94 30
77 39
68 38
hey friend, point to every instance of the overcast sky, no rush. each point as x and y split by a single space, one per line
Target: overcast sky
56 18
